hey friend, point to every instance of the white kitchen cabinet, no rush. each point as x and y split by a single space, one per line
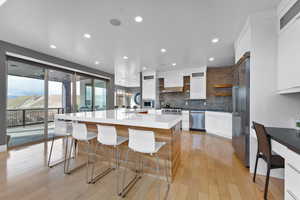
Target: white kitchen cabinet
291 170
219 123
292 174
288 54
185 120
151 111
173 79
198 86
288 57
149 85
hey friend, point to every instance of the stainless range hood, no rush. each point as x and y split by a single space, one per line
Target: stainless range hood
172 90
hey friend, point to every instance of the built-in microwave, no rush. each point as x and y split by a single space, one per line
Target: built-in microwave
148 104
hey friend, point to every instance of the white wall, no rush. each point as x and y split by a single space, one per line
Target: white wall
266 106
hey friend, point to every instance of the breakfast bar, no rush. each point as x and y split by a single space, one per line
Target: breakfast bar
166 128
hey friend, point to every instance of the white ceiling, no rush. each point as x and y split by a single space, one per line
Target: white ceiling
184 27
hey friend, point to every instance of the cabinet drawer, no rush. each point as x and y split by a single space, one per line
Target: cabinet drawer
292 180
278 148
293 158
289 195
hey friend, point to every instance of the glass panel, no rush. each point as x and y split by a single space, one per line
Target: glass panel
100 94
25 103
60 95
120 98
84 93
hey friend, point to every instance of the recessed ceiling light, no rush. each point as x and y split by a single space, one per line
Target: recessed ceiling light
86 35
215 40
125 57
174 64
2 2
138 19
163 50
144 68
211 59
97 62
52 46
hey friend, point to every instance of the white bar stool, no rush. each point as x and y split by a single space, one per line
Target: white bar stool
107 136
80 133
62 130
143 142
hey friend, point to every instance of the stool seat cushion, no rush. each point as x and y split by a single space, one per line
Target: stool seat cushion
60 134
90 136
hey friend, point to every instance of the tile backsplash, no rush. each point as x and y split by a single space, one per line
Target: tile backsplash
211 103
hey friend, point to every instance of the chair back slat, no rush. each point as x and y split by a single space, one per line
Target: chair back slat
107 135
79 131
141 141
264 141
60 127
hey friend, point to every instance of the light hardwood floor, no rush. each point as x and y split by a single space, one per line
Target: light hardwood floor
208 170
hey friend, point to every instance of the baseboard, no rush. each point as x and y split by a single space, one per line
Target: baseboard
3 148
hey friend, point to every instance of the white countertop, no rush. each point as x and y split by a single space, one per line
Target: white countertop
128 117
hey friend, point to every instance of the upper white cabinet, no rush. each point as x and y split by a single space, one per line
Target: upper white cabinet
289 46
198 86
173 79
149 85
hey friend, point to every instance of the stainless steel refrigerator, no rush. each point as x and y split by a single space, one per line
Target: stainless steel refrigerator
241 109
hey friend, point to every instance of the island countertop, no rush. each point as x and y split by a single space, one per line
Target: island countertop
124 117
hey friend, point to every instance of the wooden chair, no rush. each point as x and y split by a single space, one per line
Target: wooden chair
264 151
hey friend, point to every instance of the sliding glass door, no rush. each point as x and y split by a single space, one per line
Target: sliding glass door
60 84
84 93
25 102
100 94
36 93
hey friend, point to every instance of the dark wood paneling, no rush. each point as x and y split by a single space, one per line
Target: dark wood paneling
219 76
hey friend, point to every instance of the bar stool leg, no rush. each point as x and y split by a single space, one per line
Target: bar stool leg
50 152
157 170
66 153
167 178
117 168
95 161
68 160
87 163
125 171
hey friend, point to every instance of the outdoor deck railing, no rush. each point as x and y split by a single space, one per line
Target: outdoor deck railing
23 117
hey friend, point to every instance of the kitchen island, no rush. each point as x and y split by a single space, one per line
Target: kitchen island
166 128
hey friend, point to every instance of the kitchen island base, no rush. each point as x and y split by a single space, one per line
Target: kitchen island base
170 152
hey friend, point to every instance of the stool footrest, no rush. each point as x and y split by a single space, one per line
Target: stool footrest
59 162
130 185
101 175
75 168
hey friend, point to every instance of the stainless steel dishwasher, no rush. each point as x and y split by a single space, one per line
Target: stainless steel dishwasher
197 120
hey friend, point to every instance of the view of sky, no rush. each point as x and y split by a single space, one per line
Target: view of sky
22 86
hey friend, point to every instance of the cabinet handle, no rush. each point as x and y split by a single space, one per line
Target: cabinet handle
292 195
294 168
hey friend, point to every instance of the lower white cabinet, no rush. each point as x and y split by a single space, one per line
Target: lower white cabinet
292 175
185 120
219 123
152 111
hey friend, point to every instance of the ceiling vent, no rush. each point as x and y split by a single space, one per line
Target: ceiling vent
115 22
290 14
